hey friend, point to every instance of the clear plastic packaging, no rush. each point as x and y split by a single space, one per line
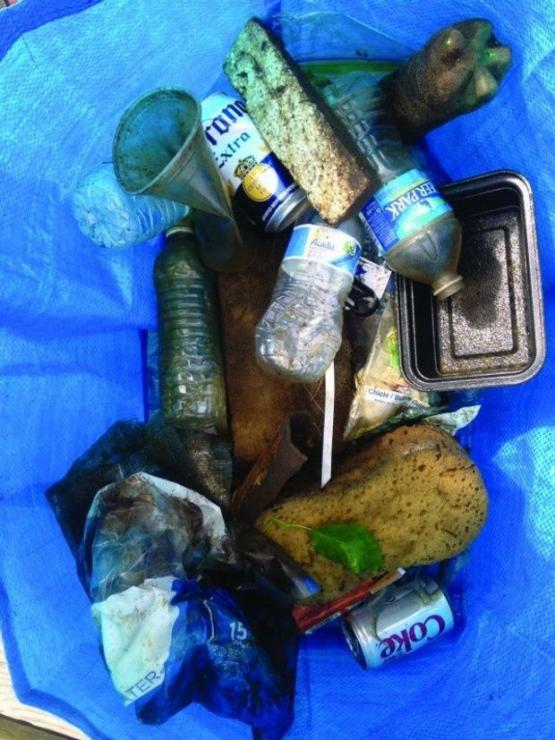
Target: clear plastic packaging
381 391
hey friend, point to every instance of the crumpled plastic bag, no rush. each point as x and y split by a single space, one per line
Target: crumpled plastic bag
201 648
200 461
168 640
145 527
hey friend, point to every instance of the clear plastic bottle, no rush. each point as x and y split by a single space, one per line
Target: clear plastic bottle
191 371
300 333
112 218
415 227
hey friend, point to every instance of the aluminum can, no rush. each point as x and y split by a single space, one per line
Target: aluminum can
258 183
399 621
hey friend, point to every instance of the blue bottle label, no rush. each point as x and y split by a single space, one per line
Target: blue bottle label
324 245
403 207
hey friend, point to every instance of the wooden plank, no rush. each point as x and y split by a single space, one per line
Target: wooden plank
13 712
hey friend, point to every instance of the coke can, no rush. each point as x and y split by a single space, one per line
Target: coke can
258 183
401 620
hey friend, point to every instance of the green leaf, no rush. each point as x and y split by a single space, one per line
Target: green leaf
352 545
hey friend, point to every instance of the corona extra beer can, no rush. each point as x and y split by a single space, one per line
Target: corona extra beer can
258 183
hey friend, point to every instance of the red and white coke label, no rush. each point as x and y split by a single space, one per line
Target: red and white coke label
405 619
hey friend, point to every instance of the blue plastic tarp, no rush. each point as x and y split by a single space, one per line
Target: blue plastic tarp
71 363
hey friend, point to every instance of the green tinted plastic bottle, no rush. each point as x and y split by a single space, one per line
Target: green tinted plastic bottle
191 372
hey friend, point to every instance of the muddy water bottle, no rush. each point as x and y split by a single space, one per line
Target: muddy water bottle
409 220
191 371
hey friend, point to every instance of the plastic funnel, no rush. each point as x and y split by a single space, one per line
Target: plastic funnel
160 149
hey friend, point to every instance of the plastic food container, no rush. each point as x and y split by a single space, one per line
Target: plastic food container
492 333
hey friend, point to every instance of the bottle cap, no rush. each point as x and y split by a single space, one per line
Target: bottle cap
447 285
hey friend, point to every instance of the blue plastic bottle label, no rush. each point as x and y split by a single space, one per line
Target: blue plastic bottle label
403 207
324 245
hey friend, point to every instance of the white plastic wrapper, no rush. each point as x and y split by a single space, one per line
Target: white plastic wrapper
136 627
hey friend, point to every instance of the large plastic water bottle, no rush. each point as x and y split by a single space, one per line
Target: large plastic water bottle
300 333
112 218
192 385
410 221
